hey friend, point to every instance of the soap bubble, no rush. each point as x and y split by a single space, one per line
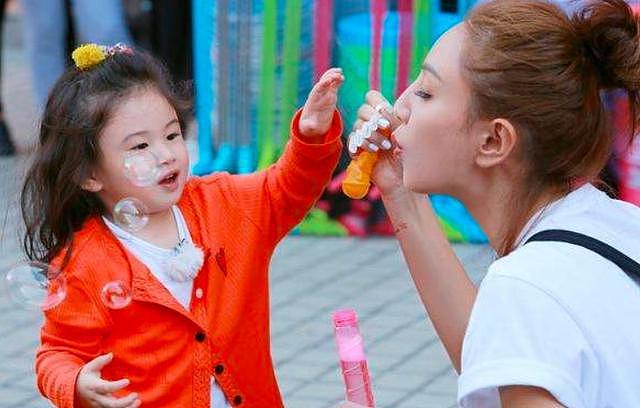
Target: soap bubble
36 285
141 168
115 295
130 214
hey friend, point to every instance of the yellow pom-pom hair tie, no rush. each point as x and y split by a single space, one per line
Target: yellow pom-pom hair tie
88 56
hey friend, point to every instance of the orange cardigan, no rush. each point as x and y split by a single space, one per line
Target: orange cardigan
167 352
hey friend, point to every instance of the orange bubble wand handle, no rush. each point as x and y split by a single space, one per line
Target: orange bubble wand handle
358 178
356 184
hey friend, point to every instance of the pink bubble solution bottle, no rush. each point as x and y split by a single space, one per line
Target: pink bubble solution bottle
352 358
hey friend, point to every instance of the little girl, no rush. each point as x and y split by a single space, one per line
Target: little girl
196 332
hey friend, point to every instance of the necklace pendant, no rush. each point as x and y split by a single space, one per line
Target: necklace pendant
185 262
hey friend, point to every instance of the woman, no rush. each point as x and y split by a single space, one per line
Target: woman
507 117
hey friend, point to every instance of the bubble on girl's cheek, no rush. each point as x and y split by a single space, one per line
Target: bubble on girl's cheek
141 168
36 285
115 295
130 214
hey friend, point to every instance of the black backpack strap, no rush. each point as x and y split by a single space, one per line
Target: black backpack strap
631 267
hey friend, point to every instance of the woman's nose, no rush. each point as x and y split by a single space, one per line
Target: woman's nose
401 107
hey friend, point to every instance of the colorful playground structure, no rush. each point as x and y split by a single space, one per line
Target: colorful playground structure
256 60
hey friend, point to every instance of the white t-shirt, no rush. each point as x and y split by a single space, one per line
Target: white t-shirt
154 258
558 316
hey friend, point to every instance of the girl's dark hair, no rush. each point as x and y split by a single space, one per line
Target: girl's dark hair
79 106
531 63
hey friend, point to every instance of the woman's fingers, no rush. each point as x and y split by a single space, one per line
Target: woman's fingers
382 117
366 112
379 141
374 125
376 100
381 106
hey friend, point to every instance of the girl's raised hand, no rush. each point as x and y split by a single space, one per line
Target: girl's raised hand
317 112
94 392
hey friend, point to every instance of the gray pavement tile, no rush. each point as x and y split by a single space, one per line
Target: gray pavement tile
426 360
307 402
34 402
10 396
446 383
421 387
425 400
326 392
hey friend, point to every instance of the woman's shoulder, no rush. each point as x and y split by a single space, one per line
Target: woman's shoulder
557 270
612 222
567 274
528 260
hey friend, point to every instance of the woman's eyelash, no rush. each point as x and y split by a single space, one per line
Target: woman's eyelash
173 136
422 94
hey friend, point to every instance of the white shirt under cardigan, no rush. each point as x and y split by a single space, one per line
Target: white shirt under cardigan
153 257
558 316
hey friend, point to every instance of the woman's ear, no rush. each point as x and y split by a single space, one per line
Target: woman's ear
497 140
92 185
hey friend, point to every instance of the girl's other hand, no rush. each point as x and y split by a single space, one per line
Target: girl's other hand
94 392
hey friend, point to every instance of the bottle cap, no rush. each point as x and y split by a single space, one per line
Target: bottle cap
344 317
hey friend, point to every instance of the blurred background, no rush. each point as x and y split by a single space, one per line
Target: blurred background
249 65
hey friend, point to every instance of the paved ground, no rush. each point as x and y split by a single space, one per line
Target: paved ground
310 278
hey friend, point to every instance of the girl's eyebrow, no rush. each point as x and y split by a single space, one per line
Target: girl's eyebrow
171 122
142 132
